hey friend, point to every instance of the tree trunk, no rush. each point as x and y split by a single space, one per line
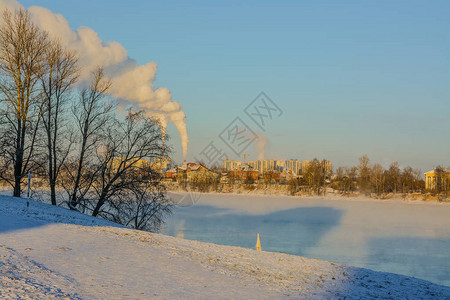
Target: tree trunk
73 199
53 193
17 186
19 161
51 179
100 203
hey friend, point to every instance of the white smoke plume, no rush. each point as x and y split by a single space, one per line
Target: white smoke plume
131 82
261 145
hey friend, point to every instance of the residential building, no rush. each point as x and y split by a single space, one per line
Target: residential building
244 172
293 165
437 179
272 176
171 173
187 172
265 165
230 165
280 165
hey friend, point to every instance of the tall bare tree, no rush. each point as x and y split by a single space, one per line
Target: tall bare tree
364 174
56 84
407 179
393 177
345 179
92 116
22 62
377 178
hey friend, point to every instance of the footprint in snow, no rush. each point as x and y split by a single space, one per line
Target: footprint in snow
64 249
103 258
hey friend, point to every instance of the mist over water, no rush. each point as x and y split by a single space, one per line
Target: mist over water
390 236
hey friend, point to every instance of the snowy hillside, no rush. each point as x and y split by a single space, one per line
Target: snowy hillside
50 252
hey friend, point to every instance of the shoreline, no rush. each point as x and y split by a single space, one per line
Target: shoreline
328 197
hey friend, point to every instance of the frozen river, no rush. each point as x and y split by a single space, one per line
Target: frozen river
391 236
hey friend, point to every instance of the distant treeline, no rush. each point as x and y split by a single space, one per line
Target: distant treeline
375 179
365 178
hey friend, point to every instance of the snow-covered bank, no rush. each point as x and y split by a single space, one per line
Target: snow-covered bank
283 191
50 252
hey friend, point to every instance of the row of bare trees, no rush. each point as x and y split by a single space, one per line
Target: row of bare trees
365 178
373 178
73 137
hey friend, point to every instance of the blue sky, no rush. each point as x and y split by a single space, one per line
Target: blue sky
352 77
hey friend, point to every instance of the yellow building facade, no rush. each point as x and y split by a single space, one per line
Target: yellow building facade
437 180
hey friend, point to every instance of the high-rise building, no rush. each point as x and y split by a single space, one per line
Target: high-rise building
293 165
265 165
279 165
230 165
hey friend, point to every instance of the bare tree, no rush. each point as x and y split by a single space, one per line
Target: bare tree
127 148
364 174
338 180
314 176
377 178
56 85
92 116
143 206
393 177
292 186
407 180
344 179
206 181
350 174
441 180
22 49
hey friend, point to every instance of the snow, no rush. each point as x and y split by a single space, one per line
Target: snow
50 252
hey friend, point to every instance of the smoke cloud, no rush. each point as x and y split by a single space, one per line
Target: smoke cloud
131 82
261 145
